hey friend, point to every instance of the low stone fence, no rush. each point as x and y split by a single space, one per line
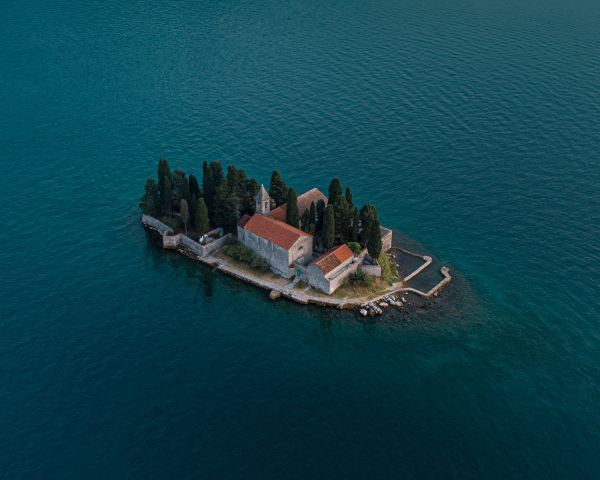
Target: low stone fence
156 224
183 242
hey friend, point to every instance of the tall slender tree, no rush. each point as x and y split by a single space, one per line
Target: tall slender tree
305 220
184 211
291 210
335 192
201 224
194 187
328 236
348 196
226 208
320 215
209 189
217 173
277 188
166 196
355 225
374 239
164 175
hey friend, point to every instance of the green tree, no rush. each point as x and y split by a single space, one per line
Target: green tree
335 192
312 219
194 187
348 196
209 189
181 186
328 236
184 211
226 208
367 213
343 220
277 188
217 173
166 196
374 239
201 223
305 220
248 204
150 202
164 174
291 211
320 215
355 225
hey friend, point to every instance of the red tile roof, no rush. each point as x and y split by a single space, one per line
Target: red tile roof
276 232
333 258
304 201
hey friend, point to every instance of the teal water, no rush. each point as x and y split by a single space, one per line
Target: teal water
473 125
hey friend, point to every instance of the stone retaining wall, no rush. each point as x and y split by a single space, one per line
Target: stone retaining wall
156 225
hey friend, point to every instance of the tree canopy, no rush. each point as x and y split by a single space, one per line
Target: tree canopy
277 188
328 235
291 209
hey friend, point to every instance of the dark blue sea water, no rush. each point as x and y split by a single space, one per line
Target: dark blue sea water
473 125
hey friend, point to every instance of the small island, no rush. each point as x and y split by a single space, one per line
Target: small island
310 248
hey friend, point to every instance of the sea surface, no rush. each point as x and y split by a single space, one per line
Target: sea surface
473 125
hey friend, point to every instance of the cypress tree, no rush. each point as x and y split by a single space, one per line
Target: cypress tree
201 223
348 196
374 239
248 204
320 215
164 174
217 173
291 211
194 187
166 196
312 214
184 211
277 188
328 227
335 192
208 186
226 212
305 220
355 222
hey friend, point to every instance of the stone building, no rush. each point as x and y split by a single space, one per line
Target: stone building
330 270
280 244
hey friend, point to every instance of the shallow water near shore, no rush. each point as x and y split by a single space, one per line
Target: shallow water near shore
473 126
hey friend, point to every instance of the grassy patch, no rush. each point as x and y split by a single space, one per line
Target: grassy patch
389 269
243 254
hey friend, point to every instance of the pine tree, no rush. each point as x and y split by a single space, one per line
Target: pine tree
194 187
291 210
335 192
277 188
328 235
348 196
184 211
367 213
201 224
181 186
150 202
248 204
312 219
374 239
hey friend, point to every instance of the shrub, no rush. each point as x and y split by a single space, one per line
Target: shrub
243 254
389 270
361 278
355 247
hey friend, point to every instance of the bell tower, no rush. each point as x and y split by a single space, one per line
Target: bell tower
263 201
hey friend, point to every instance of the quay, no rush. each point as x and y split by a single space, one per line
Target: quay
208 254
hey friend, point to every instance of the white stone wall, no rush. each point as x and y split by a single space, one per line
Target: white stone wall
330 283
276 257
386 239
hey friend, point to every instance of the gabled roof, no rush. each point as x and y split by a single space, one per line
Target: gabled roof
274 231
333 258
304 201
262 195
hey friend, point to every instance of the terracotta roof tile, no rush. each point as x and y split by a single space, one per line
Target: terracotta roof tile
276 232
333 258
304 201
